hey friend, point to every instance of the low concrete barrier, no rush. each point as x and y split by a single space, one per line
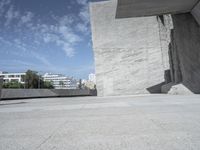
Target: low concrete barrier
44 93
1 84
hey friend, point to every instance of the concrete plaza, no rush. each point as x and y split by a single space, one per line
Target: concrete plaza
151 122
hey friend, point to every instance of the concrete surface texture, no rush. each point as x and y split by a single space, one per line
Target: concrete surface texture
196 12
34 93
156 122
176 89
128 55
139 8
186 35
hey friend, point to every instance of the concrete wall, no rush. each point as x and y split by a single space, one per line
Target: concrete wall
187 40
182 42
165 26
128 54
40 93
196 12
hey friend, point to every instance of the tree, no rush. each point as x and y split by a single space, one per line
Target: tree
80 84
47 85
31 79
13 85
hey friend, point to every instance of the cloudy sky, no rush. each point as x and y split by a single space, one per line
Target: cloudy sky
46 36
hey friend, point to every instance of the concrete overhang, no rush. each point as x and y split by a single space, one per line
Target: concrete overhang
140 8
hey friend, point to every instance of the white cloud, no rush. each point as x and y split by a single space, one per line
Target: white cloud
5 41
27 17
3 3
40 58
69 35
84 14
69 50
19 44
11 14
66 33
82 2
66 20
62 34
82 28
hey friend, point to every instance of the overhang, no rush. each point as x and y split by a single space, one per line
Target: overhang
139 8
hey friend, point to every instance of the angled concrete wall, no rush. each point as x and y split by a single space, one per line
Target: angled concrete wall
196 12
128 54
187 39
184 50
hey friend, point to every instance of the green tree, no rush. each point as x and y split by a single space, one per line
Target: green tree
80 84
31 79
47 85
13 85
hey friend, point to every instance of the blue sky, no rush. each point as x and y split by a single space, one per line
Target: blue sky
46 36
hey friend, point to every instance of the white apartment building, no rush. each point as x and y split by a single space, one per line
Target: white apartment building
60 81
13 77
92 78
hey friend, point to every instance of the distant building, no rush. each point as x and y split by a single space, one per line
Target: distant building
90 83
60 81
13 77
92 78
83 81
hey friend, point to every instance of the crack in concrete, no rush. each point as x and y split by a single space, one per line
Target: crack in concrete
50 136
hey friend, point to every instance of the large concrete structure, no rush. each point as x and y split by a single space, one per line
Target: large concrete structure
184 44
127 52
135 8
142 54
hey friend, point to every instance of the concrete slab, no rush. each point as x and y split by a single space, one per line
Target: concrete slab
115 123
139 8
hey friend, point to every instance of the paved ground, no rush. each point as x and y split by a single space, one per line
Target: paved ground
116 123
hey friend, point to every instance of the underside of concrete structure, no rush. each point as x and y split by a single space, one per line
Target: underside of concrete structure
146 54
140 8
